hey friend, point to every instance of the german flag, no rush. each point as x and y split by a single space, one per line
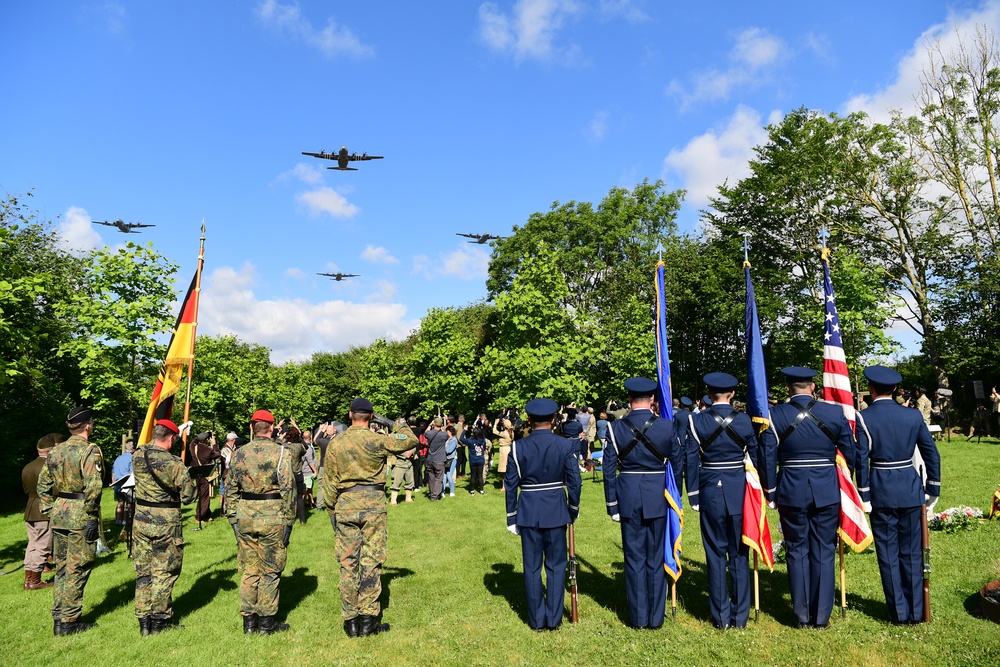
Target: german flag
180 353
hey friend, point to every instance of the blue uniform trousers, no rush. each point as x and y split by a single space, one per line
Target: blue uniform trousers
645 578
897 533
545 602
722 536
811 547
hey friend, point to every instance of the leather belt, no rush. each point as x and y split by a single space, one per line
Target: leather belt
70 496
150 503
245 495
364 487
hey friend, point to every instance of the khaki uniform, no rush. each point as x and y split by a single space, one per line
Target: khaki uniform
260 467
157 539
36 522
354 493
69 491
505 438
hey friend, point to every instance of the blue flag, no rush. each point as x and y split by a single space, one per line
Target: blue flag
675 515
757 405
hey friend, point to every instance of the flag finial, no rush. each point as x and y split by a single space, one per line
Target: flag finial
746 247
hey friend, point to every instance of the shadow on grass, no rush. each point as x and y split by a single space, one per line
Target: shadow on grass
504 581
295 587
607 590
388 575
974 605
205 588
13 552
116 597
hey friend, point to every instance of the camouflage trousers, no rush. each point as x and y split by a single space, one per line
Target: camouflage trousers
361 546
74 557
261 556
157 553
402 475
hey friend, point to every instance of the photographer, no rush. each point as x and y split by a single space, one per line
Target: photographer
503 428
203 451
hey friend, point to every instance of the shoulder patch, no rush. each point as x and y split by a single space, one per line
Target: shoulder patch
400 436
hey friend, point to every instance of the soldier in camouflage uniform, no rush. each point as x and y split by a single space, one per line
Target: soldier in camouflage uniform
69 492
162 483
354 493
261 507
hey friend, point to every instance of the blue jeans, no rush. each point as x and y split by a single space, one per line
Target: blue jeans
449 475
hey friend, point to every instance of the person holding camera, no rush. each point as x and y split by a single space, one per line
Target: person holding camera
503 429
69 492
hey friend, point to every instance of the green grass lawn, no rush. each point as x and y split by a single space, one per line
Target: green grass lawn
454 596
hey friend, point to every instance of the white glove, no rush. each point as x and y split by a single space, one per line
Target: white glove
185 428
513 529
695 508
868 507
930 501
773 505
616 517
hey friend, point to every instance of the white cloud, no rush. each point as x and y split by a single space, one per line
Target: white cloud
627 9
599 125
305 173
466 262
753 53
529 31
711 158
821 47
332 41
378 255
957 28
293 328
294 272
384 292
77 232
329 201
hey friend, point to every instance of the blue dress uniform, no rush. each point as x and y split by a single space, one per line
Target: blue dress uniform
681 421
800 475
543 496
717 439
634 470
888 434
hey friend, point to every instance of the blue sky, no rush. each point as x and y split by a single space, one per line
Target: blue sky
170 113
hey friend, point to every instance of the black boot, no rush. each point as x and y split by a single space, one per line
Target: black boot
250 624
57 627
369 625
158 625
144 626
351 627
269 625
76 627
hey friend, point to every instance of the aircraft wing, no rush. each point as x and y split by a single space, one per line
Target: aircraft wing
102 222
350 275
138 225
322 155
468 236
364 156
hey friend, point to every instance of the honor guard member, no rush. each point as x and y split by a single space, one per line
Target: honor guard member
69 492
718 438
681 423
262 509
354 494
888 436
800 477
543 496
162 483
634 469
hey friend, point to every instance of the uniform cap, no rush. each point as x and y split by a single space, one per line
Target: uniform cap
686 402
541 407
78 415
720 382
203 437
640 386
262 416
882 375
706 400
572 429
798 374
362 405
169 425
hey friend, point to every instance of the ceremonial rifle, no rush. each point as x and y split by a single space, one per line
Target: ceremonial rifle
574 615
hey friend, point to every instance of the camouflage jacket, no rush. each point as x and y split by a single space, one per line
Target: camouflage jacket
73 466
261 466
358 456
171 471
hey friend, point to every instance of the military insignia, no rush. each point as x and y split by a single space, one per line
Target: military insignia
400 436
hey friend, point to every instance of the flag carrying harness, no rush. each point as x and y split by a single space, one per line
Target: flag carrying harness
639 435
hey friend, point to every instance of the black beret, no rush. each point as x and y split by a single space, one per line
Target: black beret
362 405
720 382
541 407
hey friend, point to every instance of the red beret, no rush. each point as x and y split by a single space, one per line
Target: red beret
169 425
262 416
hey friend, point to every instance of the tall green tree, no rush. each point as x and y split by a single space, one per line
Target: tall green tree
230 381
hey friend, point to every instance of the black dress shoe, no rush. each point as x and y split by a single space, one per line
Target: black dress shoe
825 626
250 624
803 626
351 627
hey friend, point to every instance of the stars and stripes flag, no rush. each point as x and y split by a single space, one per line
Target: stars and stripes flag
854 527
756 532
675 515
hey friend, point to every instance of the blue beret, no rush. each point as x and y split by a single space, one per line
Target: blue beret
883 376
720 381
362 405
572 429
541 407
798 373
686 402
706 400
640 386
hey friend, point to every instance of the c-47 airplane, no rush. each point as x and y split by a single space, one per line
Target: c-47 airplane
343 157
480 238
123 227
338 276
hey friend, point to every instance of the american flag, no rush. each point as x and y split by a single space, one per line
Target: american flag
836 382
